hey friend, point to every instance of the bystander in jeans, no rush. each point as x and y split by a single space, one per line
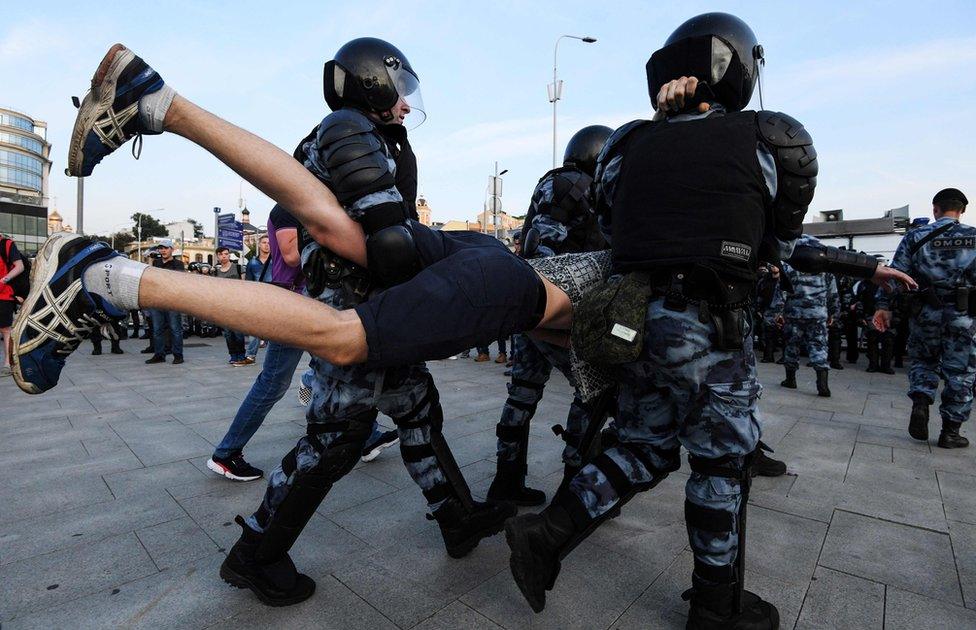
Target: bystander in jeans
257 270
164 322
235 341
11 266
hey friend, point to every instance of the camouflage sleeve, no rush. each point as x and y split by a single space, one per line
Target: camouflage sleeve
902 261
551 232
603 190
833 299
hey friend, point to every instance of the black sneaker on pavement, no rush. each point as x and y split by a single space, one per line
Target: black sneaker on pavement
234 468
385 440
155 359
178 360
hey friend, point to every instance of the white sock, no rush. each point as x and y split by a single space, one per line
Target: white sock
116 280
153 108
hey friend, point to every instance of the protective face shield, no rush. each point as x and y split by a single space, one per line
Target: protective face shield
373 76
407 87
717 48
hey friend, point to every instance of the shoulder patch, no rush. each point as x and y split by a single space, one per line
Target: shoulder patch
954 242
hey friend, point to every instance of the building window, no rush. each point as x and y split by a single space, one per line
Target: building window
31 144
198 257
17 121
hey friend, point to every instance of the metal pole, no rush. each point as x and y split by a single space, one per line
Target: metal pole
80 208
494 203
140 237
216 215
555 98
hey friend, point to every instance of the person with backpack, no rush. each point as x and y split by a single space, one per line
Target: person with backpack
11 269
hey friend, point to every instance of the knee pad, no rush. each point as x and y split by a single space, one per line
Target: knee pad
309 487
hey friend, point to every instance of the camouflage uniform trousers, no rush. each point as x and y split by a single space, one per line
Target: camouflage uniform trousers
681 392
530 373
809 332
941 343
342 393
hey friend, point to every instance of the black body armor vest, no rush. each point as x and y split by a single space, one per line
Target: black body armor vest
691 193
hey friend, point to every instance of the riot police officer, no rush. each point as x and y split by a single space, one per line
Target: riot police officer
560 220
808 311
361 152
692 201
942 256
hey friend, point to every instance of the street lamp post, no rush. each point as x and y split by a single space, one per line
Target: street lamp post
556 88
495 203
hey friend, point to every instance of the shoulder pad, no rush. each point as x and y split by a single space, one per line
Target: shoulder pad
789 141
796 166
354 155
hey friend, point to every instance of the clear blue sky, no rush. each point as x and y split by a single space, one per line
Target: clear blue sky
886 88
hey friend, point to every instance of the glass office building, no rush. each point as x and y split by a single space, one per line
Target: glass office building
24 168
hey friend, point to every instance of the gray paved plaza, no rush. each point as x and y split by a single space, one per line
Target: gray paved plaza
110 518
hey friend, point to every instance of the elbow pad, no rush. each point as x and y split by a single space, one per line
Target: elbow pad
391 255
796 170
812 259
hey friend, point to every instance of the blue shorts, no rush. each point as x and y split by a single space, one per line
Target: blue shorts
471 292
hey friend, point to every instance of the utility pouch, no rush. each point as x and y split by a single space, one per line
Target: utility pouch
930 297
608 322
962 299
730 328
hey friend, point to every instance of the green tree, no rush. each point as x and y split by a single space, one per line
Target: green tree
150 226
118 240
197 227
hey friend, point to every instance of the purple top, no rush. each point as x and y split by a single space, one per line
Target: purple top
281 274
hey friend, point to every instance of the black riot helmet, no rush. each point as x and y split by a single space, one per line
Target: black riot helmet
717 48
371 75
585 146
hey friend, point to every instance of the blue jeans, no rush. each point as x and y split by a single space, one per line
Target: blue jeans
235 344
253 344
271 384
163 321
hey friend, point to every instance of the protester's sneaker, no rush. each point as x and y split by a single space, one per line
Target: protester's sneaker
384 441
58 312
234 468
304 395
108 117
246 361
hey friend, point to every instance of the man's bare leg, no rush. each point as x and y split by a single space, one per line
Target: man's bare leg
296 321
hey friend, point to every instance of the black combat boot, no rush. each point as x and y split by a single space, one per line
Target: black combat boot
950 438
790 380
765 466
833 348
96 349
509 485
769 350
872 351
822 389
537 542
275 584
712 609
887 352
918 425
463 529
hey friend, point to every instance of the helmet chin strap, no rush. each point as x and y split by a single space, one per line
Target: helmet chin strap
760 57
386 116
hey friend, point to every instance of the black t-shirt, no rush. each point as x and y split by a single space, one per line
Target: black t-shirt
282 219
173 264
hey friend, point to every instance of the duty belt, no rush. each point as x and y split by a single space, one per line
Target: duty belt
681 287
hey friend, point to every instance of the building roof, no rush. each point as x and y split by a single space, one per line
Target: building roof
853 227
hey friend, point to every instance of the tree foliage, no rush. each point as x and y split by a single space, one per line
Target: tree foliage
150 226
197 227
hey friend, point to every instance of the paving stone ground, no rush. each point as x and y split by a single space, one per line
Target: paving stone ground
110 518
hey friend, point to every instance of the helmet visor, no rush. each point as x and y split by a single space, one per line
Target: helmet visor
407 86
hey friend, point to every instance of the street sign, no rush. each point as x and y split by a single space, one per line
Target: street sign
235 244
226 219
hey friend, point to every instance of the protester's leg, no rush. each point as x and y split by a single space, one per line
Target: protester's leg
5 337
269 387
159 332
253 343
176 332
